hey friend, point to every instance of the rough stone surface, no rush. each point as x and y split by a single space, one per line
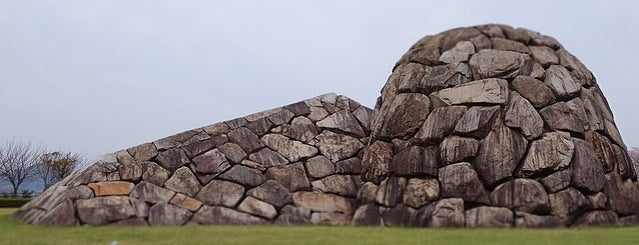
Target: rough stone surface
498 155
521 195
292 176
461 181
551 152
167 214
102 210
320 202
486 91
183 181
456 149
484 126
272 192
419 192
488 217
440 123
219 192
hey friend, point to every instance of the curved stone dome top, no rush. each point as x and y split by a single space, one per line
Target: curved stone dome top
502 117
478 126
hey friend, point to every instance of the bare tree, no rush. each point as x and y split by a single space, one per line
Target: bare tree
17 162
634 156
55 166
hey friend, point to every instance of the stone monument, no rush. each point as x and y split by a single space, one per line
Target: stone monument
483 126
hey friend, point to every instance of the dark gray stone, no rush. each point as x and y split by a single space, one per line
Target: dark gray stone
477 121
348 166
172 159
415 161
461 181
488 217
292 176
219 192
456 149
246 139
597 218
568 204
167 214
222 215
536 92
183 181
151 193
440 123
524 195
320 166
367 215
586 169
498 155
272 192
211 162
103 210
559 117
244 175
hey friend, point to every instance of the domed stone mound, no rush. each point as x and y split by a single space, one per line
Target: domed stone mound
296 164
496 126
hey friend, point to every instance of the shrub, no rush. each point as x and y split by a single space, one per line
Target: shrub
13 202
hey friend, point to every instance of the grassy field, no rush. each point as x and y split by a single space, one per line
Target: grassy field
13 232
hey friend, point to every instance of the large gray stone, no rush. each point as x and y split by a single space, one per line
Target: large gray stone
477 121
232 152
498 155
342 185
556 181
211 162
143 152
448 213
524 195
219 192
338 146
62 215
597 218
419 192
522 115
268 158
415 161
623 195
560 117
461 181
319 167
103 210
376 161
440 123
348 166
460 53
390 191
544 55
272 192
151 193
322 202
301 128
456 149
568 204
344 121
496 63
222 215
167 214
551 152
559 79
527 220
536 92
256 207
293 150
508 45
488 217
486 91
604 150
292 176
246 139
172 159
586 169
402 115
183 181
244 175
366 215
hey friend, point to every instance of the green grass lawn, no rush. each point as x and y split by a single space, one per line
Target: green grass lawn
13 232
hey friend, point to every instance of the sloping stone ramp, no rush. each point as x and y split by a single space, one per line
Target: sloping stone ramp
483 126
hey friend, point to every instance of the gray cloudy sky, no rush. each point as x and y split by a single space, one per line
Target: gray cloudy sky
98 76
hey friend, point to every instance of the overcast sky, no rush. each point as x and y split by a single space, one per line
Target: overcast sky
99 76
